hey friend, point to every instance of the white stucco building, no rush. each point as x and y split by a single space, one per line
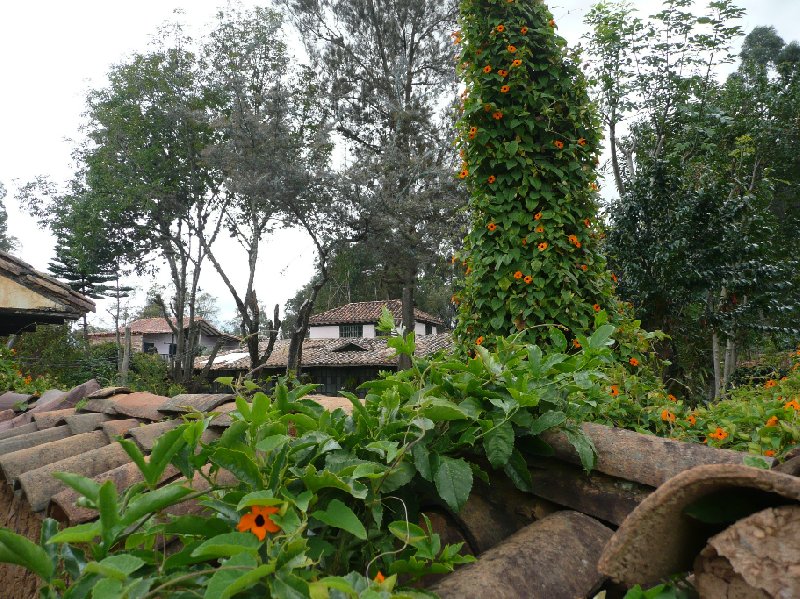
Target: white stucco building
359 320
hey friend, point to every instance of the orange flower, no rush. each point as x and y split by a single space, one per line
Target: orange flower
587 222
540 229
719 434
551 22
542 246
492 179
473 131
770 453
258 521
500 28
633 362
502 73
505 89
518 274
528 280
497 115
558 144
537 216
594 187
572 239
576 344
581 142
491 227
523 30
614 390
770 384
487 107
479 340
668 416
614 277
463 174
511 49
455 299
379 577
469 269
516 63
596 307
671 397
791 404
487 69
524 241
692 419
584 268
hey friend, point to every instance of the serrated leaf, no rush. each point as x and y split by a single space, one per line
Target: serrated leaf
228 545
498 444
517 470
453 480
547 421
238 463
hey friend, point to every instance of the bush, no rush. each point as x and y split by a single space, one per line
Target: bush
150 372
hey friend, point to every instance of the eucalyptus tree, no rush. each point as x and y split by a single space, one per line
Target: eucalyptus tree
387 66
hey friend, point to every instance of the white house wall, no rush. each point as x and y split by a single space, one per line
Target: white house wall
332 331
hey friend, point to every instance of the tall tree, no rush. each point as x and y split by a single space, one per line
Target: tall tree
149 128
386 65
8 243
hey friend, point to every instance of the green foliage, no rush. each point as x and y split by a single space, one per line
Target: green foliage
150 372
530 141
63 358
12 377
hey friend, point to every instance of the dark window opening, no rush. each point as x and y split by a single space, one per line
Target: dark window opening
428 329
148 348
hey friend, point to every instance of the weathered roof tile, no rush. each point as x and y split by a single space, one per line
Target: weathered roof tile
118 428
18 430
33 439
138 405
145 436
10 399
365 312
108 392
202 402
15 463
39 485
47 419
84 423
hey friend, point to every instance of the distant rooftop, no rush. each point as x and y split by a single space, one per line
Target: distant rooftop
366 312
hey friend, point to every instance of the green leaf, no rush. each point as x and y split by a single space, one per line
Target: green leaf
153 501
401 475
109 512
196 526
338 515
85 486
440 409
238 463
498 444
602 336
136 455
82 533
246 580
258 498
222 579
228 545
584 446
408 532
16 549
547 421
166 446
453 480
117 567
558 340
272 442
316 480
755 461
516 470
224 380
422 461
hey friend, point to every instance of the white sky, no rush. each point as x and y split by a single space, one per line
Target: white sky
52 52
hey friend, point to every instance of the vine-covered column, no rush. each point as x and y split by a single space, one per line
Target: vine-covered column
529 140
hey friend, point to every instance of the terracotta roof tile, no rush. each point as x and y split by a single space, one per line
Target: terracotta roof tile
9 399
39 485
202 402
6 415
137 405
366 312
107 392
146 435
85 423
118 428
16 463
68 400
18 430
160 326
333 352
33 439
47 419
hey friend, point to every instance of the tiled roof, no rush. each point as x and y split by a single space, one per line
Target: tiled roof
366 312
159 325
332 352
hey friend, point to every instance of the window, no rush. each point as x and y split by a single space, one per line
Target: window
351 330
148 348
428 329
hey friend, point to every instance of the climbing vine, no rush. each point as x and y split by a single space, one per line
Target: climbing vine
529 142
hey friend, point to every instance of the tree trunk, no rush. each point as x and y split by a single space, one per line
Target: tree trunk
715 355
404 362
730 361
126 358
211 358
294 362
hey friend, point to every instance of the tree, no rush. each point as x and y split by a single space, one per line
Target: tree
386 70
149 128
529 141
8 243
272 147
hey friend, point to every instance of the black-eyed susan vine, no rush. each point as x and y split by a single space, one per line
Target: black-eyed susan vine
529 142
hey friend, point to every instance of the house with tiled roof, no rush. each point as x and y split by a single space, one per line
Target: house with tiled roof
29 297
359 319
154 335
334 364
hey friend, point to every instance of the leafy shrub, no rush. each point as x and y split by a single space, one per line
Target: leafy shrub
13 379
150 372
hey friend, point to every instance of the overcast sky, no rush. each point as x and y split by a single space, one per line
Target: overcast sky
52 52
